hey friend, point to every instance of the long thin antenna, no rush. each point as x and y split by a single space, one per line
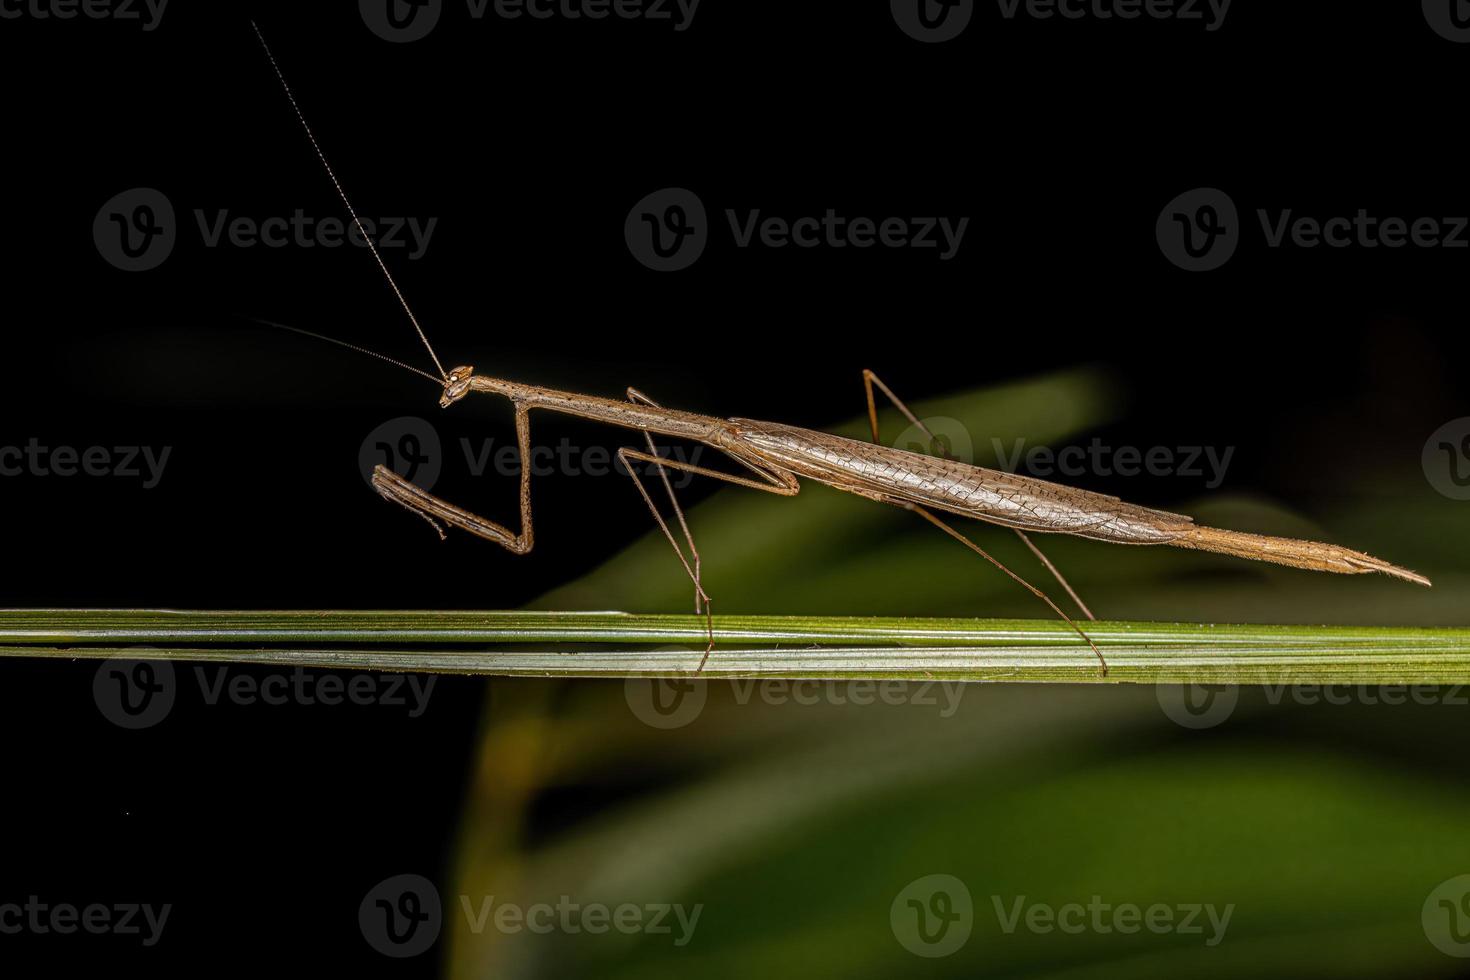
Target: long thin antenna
443 376
343 343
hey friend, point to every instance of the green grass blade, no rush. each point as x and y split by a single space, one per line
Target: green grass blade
573 644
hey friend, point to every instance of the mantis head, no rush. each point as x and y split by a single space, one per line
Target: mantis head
456 386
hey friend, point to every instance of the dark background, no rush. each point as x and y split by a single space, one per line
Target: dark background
530 141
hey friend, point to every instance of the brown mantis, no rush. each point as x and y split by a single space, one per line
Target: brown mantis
777 457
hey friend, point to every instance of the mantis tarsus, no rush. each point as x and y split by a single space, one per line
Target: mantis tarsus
778 456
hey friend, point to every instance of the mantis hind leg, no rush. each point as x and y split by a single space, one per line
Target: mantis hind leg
949 529
869 380
391 486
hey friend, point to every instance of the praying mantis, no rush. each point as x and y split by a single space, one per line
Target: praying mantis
777 457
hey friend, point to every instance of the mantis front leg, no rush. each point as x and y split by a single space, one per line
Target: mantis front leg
393 487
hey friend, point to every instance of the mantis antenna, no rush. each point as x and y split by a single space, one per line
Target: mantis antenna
343 195
342 343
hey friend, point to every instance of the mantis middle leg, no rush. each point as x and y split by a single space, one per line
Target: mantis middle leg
783 484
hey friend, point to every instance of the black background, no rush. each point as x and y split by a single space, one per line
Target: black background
530 141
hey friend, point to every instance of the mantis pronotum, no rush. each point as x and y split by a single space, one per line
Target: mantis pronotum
778 456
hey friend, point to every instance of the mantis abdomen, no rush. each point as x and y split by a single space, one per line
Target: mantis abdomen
1026 503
